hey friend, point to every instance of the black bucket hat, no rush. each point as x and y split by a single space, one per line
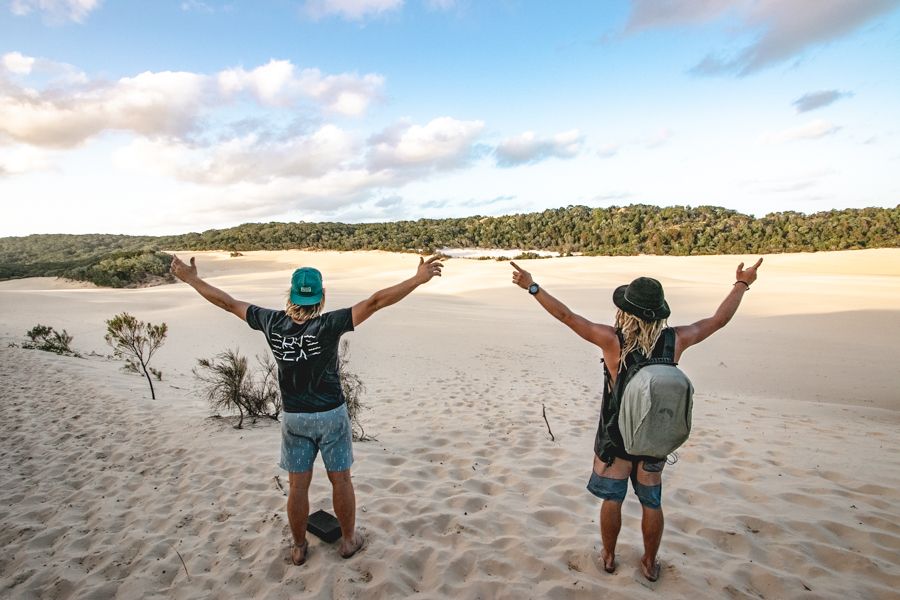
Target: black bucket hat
643 298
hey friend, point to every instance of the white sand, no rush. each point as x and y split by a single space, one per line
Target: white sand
789 486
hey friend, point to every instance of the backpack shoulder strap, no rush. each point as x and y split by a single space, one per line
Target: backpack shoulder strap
665 347
668 336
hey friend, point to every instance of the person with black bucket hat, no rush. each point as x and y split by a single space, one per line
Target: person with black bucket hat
640 330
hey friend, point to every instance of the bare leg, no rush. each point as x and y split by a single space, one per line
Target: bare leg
652 524
611 511
610 525
298 513
344 500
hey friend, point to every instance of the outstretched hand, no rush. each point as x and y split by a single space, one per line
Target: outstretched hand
181 270
428 269
521 277
748 275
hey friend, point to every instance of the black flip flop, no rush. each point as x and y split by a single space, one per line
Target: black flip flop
304 547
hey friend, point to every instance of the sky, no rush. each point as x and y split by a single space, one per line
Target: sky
184 115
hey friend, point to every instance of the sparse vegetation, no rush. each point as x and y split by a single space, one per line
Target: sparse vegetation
125 270
43 337
353 388
136 342
230 386
530 256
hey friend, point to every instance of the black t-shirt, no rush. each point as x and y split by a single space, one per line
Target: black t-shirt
306 355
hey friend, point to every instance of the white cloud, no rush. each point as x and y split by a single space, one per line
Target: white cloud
346 94
55 73
248 158
608 150
529 148
277 83
169 103
811 131
443 143
16 62
323 170
269 83
646 14
318 196
649 141
658 139
317 170
783 29
74 10
17 159
353 10
149 103
820 99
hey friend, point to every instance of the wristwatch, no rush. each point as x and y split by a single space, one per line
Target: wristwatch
533 289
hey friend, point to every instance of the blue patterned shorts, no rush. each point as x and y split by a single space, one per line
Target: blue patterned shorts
304 434
607 488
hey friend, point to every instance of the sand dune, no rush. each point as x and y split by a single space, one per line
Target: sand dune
788 488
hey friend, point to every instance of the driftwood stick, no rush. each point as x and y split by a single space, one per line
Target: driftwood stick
550 431
182 562
278 483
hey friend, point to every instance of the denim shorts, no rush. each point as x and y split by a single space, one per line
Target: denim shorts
304 434
607 488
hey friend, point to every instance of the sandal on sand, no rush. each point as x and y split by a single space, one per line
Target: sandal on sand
650 575
609 567
304 547
360 540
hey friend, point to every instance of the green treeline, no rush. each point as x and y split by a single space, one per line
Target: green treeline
106 266
636 229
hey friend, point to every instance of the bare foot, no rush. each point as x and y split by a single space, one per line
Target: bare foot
299 552
348 550
609 561
651 572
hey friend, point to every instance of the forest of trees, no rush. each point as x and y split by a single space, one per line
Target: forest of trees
116 261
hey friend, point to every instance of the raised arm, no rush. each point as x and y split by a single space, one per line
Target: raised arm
688 335
382 298
601 335
188 274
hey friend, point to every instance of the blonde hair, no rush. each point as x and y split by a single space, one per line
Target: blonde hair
303 313
638 334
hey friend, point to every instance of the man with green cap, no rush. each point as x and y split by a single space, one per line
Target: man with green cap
640 332
304 341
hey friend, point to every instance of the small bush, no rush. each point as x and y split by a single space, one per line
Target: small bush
136 342
45 338
530 256
353 390
230 386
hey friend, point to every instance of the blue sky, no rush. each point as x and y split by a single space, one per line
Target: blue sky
172 116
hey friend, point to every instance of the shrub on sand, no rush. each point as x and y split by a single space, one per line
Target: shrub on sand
353 390
136 342
46 338
229 385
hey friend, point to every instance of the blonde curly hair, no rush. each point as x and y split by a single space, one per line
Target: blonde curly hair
638 334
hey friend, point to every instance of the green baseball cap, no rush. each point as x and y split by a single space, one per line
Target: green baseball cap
306 286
